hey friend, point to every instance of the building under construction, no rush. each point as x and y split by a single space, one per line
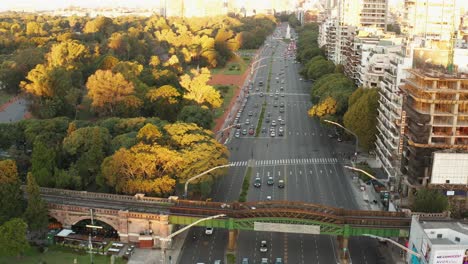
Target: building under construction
436 113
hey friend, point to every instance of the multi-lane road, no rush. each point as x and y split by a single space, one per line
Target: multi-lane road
304 158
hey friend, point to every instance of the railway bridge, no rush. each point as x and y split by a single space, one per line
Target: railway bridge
137 218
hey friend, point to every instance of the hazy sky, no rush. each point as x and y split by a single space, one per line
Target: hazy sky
54 4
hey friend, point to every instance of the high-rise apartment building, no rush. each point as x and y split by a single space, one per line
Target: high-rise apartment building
430 19
363 13
346 17
374 13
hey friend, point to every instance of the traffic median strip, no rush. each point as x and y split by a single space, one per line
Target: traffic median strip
245 185
260 120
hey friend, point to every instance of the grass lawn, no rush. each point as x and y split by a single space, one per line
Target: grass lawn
236 66
227 92
60 255
4 97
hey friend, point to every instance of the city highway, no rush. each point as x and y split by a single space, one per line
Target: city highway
304 157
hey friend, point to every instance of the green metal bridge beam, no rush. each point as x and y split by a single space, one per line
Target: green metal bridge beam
325 228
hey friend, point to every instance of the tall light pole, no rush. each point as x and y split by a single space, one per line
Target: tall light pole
366 173
347 130
259 60
166 240
201 174
396 244
90 243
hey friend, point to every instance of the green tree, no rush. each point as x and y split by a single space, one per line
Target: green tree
43 164
88 147
36 214
195 114
319 68
13 240
361 117
12 202
430 201
335 85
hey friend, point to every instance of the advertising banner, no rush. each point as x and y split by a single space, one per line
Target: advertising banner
450 257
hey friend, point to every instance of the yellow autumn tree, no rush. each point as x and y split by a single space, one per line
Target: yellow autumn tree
154 61
198 89
8 172
142 169
149 134
68 54
325 107
166 93
107 89
198 149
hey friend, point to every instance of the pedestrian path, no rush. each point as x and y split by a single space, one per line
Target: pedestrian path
302 161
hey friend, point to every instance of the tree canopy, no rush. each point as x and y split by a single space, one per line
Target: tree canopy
13 240
199 91
361 117
430 201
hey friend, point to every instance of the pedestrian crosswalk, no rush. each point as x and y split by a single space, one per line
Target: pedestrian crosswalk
285 162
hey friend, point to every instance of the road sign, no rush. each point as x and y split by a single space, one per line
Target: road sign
287 228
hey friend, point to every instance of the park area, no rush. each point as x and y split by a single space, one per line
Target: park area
57 254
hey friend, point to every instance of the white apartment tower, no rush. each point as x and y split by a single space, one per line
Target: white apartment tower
347 16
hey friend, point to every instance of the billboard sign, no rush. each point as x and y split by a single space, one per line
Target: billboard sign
450 257
287 228
450 168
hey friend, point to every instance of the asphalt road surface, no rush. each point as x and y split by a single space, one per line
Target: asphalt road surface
304 157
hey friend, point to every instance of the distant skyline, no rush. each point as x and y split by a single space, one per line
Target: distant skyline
29 5
57 4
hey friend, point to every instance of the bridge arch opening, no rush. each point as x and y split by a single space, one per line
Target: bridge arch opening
54 224
96 229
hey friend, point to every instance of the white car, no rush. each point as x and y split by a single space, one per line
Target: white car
209 231
272 134
263 246
273 123
268 198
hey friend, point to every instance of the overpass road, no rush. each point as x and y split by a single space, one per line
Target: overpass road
304 157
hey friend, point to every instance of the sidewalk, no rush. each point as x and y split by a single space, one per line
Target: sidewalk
13 110
154 256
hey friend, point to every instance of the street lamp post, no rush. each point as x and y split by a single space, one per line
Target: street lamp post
259 60
366 173
168 239
396 244
201 174
347 130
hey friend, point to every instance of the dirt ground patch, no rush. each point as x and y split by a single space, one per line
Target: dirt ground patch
225 79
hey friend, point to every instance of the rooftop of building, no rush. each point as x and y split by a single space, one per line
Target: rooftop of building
456 226
444 232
